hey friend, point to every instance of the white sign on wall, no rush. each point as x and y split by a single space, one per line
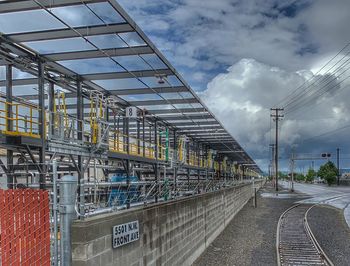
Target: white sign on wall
125 233
131 111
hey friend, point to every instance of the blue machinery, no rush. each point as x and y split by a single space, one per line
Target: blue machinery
123 194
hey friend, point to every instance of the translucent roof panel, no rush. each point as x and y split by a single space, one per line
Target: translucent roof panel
176 95
60 45
186 105
107 41
133 62
22 90
115 84
87 15
143 97
106 13
28 21
154 61
16 73
159 107
132 38
88 66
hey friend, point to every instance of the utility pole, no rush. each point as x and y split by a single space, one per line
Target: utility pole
338 176
272 163
276 117
292 170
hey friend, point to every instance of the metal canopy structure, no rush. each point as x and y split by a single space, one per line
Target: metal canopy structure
96 43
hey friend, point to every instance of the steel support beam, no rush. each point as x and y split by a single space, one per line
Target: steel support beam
187 117
176 111
151 90
143 137
174 163
80 124
42 122
26 5
164 102
124 92
89 54
68 33
126 74
156 172
51 108
200 123
20 82
9 124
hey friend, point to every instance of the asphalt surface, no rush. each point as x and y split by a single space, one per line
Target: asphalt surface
332 233
250 238
336 196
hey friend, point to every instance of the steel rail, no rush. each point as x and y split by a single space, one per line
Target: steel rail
295 242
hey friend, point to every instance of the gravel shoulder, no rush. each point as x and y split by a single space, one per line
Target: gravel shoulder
250 238
332 232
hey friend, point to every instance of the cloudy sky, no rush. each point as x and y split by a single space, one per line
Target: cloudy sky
244 57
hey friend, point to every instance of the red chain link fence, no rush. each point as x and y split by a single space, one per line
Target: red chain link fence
24 227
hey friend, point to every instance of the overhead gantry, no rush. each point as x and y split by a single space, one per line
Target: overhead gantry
84 86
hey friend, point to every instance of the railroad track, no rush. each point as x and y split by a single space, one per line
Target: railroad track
296 244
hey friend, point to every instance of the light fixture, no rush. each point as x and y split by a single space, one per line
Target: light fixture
161 78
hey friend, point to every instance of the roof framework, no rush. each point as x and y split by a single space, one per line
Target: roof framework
108 52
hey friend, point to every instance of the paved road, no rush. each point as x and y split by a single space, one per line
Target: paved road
338 197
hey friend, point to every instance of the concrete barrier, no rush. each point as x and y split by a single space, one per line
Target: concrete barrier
171 233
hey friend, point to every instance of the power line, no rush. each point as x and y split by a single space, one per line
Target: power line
299 88
317 78
306 101
324 87
325 133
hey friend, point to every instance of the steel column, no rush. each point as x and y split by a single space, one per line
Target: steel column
188 179
175 162
80 127
41 96
127 168
156 155
143 136
68 190
9 123
51 108
138 137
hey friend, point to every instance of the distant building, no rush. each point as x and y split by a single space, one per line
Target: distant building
345 173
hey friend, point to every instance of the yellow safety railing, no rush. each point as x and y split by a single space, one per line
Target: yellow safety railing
25 122
216 166
193 159
25 119
136 146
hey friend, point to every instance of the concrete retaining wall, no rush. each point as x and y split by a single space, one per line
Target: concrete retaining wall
171 233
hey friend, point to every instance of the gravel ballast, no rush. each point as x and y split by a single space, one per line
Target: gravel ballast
332 233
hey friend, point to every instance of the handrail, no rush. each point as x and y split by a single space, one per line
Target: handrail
25 120
22 116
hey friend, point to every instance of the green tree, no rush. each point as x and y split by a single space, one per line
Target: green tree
311 175
299 177
282 175
328 172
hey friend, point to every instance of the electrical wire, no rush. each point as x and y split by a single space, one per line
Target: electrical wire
325 134
296 92
312 95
